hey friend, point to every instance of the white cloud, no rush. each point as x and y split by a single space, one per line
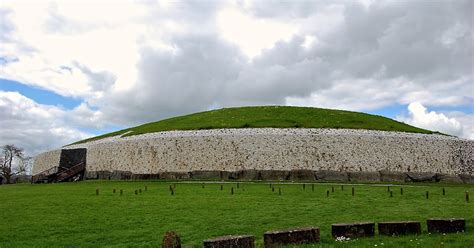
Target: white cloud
33 126
419 116
251 34
467 121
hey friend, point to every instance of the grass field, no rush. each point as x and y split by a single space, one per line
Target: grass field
270 116
72 215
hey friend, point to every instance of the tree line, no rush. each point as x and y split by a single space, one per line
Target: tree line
13 162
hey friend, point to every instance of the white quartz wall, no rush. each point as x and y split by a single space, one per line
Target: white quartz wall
46 160
276 149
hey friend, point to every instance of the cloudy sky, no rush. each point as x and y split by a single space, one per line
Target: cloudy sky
74 69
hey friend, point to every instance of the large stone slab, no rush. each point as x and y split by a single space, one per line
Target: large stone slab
242 241
245 175
305 235
364 176
333 176
205 175
443 178
420 177
446 225
302 175
174 175
90 175
274 175
224 175
353 230
145 176
467 178
171 240
395 228
103 175
120 175
392 176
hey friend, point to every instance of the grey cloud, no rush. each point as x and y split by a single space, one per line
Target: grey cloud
99 80
285 9
187 80
395 46
403 40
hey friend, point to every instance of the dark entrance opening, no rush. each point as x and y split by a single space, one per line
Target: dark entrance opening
72 167
72 157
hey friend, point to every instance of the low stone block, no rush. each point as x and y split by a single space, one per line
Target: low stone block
245 175
466 178
91 175
174 175
171 240
395 228
364 176
392 176
353 230
291 237
420 177
446 225
274 175
448 178
333 176
120 175
224 175
103 174
145 176
302 175
242 241
206 175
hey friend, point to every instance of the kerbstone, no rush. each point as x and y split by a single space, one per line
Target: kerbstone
302 175
242 241
279 238
334 176
392 176
353 230
393 228
214 175
364 176
274 175
446 225
420 177
448 178
174 175
245 175
467 178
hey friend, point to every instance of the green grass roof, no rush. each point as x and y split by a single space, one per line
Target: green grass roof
270 116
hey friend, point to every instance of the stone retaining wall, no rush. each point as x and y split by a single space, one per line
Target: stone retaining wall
360 153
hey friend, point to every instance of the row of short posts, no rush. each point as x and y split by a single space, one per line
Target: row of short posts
309 235
172 189
427 193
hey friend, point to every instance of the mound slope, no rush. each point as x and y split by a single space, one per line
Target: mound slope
269 117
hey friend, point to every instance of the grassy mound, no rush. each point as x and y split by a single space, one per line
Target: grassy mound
270 116
72 215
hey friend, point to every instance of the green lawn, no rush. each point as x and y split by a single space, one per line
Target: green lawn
72 215
270 116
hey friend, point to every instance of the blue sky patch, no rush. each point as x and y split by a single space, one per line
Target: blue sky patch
38 95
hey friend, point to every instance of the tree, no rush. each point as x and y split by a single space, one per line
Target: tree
13 162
